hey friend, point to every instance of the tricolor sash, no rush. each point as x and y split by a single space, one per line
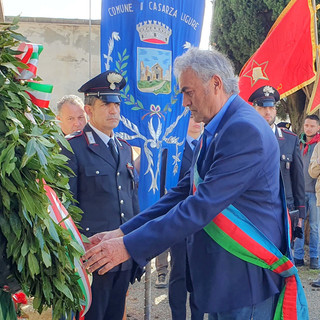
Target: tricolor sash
234 232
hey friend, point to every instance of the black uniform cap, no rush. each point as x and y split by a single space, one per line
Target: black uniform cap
265 96
284 124
106 86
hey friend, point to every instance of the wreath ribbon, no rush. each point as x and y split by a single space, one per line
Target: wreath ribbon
60 215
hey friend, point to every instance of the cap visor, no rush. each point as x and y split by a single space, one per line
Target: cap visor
110 98
264 103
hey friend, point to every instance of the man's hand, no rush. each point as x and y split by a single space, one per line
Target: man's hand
97 238
106 255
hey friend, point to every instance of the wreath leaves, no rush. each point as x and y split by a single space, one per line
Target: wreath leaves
38 250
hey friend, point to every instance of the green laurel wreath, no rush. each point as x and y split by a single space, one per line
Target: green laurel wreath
38 250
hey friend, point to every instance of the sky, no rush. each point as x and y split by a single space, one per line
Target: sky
79 9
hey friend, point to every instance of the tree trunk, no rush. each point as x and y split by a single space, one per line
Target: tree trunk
296 107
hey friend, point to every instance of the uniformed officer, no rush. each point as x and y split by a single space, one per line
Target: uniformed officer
264 101
104 185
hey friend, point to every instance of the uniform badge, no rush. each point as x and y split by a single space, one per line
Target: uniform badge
267 90
90 137
130 169
280 133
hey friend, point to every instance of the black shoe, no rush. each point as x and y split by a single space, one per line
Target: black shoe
314 263
298 262
161 282
316 283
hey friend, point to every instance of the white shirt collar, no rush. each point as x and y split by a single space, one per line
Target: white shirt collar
104 137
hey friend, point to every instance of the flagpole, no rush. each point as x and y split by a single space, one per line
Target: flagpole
316 32
89 39
316 82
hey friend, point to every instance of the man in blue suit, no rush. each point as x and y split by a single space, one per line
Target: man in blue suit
104 185
240 168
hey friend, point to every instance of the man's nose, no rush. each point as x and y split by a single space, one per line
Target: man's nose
113 108
185 101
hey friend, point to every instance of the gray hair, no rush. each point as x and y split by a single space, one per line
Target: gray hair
206 64
90 100
69 99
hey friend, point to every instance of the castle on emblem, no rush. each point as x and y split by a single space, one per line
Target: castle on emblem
154 32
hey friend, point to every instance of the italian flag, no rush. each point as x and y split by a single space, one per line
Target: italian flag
30 57
39 93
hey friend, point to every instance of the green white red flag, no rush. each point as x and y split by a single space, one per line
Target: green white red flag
29 56
39 93
285 60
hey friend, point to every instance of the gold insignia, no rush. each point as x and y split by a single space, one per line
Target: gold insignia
257 72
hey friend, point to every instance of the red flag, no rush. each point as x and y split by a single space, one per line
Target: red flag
285 60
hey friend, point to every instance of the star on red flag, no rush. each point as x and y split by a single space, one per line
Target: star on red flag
257 72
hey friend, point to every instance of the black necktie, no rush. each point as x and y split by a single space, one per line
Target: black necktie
113 150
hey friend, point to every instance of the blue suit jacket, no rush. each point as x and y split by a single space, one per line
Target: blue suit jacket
240 167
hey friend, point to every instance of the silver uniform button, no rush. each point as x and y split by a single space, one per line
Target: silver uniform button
121 201
122 215
87 229
118 173
119 188
97 172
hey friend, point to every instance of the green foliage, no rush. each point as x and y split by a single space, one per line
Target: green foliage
7 310
240 26
39 249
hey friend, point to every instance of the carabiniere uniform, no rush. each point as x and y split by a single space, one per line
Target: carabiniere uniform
106 192
105 187
291 170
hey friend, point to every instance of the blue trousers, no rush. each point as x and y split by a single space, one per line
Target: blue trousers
108 295
260 311
178 285
312 209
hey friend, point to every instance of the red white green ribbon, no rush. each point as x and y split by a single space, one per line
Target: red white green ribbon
61 216
235 233
30 57
40 94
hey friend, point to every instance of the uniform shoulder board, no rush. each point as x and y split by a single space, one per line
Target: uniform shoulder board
285 130
74 134
122 140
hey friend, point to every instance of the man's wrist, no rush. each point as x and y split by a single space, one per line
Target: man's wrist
119 232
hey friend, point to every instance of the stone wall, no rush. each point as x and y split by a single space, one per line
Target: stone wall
64 61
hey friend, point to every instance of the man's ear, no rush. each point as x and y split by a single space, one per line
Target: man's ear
87 109
216 82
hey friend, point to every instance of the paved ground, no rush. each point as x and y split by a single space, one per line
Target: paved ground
160 306
159 297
